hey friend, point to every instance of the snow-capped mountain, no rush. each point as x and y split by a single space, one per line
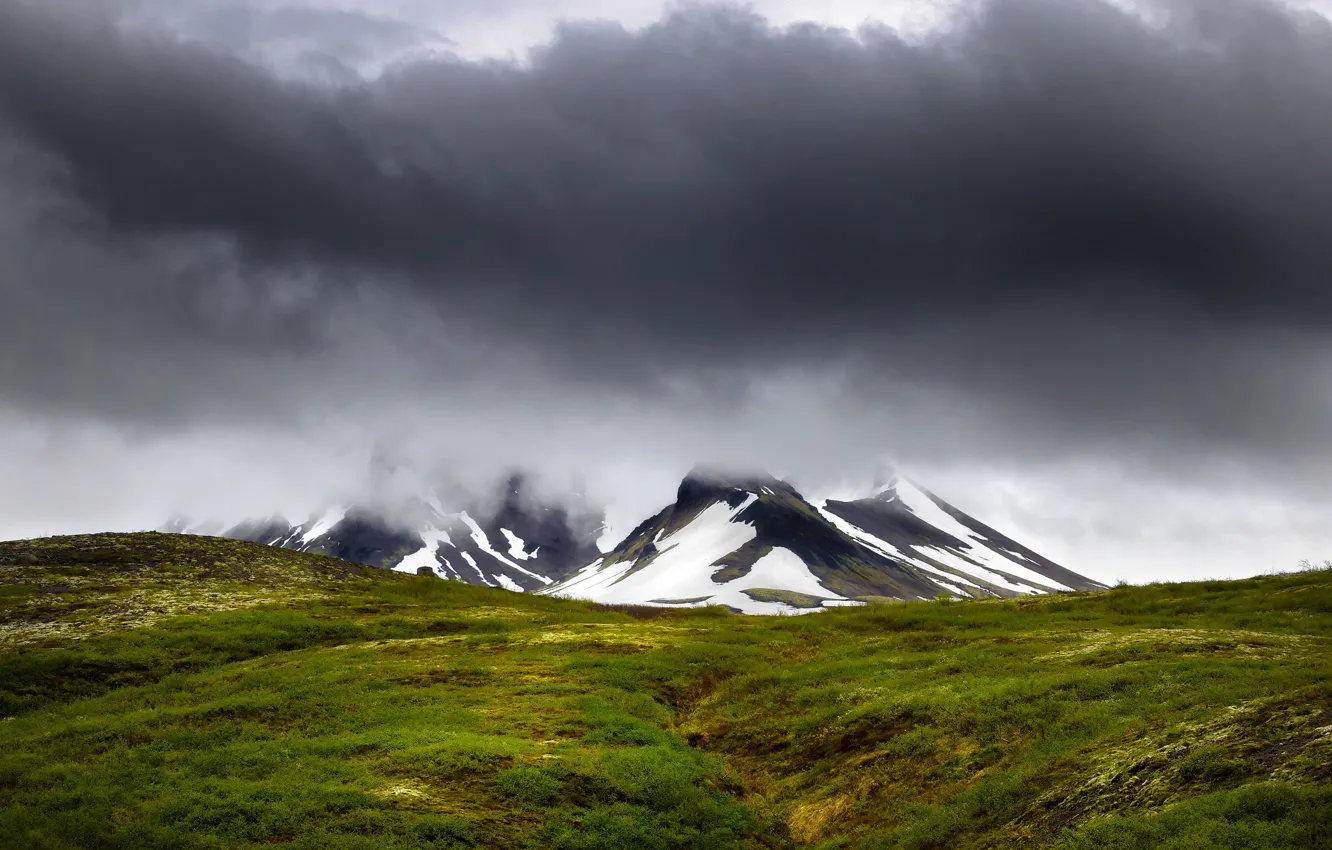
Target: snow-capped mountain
518 542
757 545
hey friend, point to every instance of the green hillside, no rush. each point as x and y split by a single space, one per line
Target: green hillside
185 692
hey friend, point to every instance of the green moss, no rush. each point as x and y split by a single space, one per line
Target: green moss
1263 816
191 692
738 563
785 597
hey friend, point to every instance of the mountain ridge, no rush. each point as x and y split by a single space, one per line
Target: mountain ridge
730 540
726 539
511 538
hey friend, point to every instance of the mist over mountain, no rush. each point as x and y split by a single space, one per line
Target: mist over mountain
510 537
750 542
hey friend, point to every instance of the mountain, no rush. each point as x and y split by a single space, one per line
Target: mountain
757 545
515 540
752 543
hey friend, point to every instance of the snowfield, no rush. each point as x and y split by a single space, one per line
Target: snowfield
683 569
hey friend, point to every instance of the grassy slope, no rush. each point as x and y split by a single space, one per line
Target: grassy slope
161 691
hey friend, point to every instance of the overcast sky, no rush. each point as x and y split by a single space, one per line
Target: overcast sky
1069 263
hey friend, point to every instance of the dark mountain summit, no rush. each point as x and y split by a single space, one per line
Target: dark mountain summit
757 544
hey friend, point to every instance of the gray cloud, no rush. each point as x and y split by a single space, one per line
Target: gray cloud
310 42
714 170
1054 231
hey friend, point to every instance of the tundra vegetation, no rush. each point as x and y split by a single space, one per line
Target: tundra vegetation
189 692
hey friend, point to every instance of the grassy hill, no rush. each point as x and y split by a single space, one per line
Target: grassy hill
184 692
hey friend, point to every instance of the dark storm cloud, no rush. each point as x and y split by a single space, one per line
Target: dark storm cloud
1056 209
713 169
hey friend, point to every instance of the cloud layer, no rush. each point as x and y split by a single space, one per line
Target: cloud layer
1056 232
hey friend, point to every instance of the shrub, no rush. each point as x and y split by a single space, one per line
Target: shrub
528 786
1266 816
1210 764
443 831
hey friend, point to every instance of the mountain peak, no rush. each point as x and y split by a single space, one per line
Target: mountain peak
705 482
753 542
885 478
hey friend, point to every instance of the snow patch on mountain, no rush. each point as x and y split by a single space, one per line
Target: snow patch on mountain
537 576
968 563
425 556
781 569
680 570
953 582
324 524
517 546
472 562
483 542
920 504
684 565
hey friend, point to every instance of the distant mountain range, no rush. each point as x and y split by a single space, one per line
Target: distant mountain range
510 539
755 544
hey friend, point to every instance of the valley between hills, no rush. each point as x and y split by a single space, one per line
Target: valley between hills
161 690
